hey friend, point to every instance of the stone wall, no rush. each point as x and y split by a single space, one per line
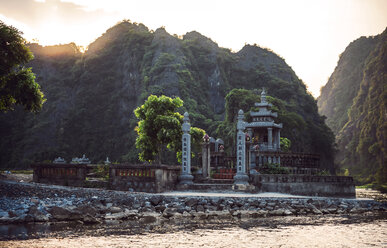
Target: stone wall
333 186
60 174
143 178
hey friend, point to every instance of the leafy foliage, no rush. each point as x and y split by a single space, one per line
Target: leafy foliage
285 144
355 102
159 125
17 83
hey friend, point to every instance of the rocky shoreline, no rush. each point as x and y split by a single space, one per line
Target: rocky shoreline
30 203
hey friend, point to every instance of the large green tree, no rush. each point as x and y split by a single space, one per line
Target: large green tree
159 126
17 83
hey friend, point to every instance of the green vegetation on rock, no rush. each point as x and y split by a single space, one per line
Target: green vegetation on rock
91 97
355 102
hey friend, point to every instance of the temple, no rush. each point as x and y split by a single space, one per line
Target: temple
263 134
258 165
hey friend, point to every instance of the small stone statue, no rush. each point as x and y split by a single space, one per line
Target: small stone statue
59 160
107 161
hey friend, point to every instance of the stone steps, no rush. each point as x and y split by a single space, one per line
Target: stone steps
215 181
213 187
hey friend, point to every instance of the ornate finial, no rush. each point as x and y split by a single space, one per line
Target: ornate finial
186 126
186 117
263 96
240 114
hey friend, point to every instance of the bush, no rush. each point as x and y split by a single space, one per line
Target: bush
270 168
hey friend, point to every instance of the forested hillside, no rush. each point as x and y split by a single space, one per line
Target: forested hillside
354 101
91 96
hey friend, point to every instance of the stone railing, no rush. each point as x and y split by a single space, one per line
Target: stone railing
337 186
143 178
292 160
60 174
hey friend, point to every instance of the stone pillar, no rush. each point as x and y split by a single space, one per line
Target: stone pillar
205 159
186 177
209 160
270 138
241 176
279 139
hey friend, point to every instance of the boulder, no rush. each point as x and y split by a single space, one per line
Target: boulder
191 202
37 215
89 219
86 210
200 208
62 213
169 212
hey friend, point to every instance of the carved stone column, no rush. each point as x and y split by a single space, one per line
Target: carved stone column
279 139
270 138
209 160
186 177
241 176
204 159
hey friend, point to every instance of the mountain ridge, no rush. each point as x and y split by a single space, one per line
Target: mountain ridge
91 96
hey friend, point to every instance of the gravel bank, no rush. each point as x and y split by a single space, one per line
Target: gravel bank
22 202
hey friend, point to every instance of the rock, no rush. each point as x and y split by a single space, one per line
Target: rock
358 210
114 210
316 211
177 216
191 202
271 204
4 214
86 210
325 211
60 213
288 212
112 222
160 208
156 200
169 212
200 208
246 214
149 217
221 207
200 215
37 215
88 219
277 212
332 210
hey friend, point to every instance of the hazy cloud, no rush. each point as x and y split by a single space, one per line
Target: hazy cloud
36 13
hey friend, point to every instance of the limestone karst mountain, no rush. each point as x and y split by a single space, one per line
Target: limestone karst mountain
355 101
91 96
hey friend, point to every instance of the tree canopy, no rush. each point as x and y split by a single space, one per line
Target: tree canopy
159 126
17 83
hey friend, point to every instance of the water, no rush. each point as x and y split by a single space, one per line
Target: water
367 230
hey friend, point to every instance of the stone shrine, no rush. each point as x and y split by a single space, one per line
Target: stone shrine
263 134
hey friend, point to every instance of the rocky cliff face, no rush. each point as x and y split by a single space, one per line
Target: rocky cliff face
91 96
354 101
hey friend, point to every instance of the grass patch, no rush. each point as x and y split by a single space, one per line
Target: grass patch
382 188
27 172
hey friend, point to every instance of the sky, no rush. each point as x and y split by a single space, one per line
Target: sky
309 34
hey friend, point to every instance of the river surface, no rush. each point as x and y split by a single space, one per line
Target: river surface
366 230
